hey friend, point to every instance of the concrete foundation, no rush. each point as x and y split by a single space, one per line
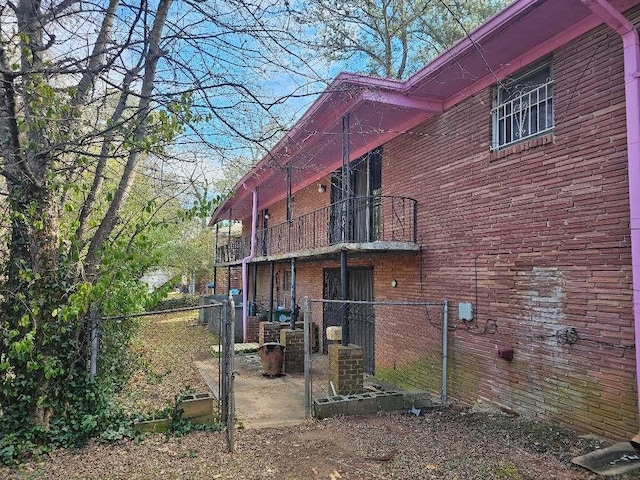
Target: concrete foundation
369 403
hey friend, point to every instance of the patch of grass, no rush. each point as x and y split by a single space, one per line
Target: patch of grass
421 374
507 471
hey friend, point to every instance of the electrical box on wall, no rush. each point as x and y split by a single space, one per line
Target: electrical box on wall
465 311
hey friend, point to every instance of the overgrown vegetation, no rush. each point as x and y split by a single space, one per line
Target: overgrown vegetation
89 181
159 364
47 398
164 350
177 301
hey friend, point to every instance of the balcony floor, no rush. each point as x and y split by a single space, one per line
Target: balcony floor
332 250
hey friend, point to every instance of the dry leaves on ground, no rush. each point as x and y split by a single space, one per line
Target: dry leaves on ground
446 444
165 348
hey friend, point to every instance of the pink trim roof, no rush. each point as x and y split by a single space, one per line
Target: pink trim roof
381 109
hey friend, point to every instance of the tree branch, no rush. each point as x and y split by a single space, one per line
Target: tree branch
113 212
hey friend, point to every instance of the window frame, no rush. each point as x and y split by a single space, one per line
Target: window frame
516 106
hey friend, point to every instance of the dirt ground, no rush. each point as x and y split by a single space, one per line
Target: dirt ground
450 444
456 443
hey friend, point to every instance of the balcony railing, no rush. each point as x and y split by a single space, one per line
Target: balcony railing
354 220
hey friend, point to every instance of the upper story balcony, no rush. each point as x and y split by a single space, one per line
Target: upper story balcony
358 224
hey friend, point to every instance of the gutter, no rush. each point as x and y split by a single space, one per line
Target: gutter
246 260
631 46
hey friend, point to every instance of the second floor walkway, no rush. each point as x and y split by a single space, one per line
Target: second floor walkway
359 224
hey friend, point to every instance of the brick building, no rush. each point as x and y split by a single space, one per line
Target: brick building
498 175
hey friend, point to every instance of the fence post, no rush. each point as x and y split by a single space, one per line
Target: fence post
231 424
307 358
224 354
93 335
445 349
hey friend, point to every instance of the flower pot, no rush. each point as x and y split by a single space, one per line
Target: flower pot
272 358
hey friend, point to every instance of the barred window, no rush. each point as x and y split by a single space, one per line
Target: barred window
523 107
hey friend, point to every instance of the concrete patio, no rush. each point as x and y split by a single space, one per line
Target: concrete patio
260 401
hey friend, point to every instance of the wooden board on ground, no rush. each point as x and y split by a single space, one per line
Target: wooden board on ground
615 460
238 348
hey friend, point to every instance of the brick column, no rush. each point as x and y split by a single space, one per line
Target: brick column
253 329
313 339
346 369
293 340
269 332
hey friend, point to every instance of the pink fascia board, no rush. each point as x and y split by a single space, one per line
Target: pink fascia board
381 139
525 60
326 109
304 130
287 148
490 28
495 23
303 135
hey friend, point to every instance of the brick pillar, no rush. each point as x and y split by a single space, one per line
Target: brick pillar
346 369
293 340
313 339
253 329
269 332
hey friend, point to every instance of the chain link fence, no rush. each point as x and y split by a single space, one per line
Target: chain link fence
404 344
226 369
218 317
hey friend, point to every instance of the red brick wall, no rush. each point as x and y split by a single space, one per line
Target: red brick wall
306 200
538 233
548 228
222 276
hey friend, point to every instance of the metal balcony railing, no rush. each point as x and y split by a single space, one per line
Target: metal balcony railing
354 220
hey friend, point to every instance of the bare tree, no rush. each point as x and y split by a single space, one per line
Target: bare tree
391 38
90 90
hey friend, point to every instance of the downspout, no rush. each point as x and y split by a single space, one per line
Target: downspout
245 262
215 260
631 46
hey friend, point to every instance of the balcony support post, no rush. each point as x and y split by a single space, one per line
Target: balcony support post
271 287
216 242
245 263
215 258
346 177
289 207
293 293
344 284
255 286
229 253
